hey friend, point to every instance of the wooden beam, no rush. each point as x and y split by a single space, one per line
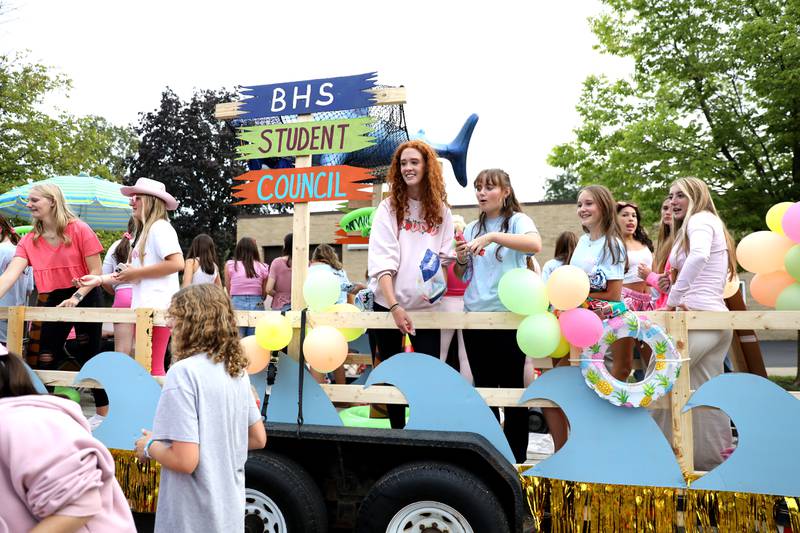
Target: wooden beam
384 96
682 434
16 329
144 338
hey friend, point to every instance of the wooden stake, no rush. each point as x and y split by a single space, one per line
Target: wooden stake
144 338
682 438
16 329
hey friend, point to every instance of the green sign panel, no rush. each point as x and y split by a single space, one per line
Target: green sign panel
305 138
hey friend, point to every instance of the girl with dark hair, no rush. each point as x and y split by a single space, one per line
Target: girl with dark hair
279 283
639 250
54 476
503 238
118 254
565 245
246 279
21 289
201 262
410 246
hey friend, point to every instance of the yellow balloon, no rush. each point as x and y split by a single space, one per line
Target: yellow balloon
775 217
273 331
350 334
258 356
325 348
561 350
567 287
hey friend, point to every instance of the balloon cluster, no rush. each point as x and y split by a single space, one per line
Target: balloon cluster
541 333
774 257
325 347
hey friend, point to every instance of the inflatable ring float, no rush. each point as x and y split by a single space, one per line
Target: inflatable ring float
358 417
665 364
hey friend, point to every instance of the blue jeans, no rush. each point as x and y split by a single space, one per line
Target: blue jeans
249 302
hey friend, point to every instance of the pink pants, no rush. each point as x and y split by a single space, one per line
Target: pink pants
160 341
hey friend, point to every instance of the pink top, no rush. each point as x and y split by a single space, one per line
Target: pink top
703 271
281 272
652 280
51 464
240 284
455 287
56 267
399 251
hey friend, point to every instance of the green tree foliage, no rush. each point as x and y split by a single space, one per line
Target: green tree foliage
193 154
715 93
35 145
563 187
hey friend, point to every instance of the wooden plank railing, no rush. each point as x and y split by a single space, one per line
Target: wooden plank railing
677 325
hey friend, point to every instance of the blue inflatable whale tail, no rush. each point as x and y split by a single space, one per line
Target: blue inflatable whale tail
456 151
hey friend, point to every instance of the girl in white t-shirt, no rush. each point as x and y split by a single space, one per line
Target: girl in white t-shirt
601 254
118 254
155 259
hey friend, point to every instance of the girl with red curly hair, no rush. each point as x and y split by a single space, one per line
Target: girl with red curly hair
410 246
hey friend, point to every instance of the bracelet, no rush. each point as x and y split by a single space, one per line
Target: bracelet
78 296
146 450
396 304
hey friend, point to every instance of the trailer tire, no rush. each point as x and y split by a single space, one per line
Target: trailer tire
418 495
281 496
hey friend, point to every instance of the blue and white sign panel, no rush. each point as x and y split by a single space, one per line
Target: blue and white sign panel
311 96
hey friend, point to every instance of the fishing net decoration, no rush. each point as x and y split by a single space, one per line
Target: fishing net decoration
389 130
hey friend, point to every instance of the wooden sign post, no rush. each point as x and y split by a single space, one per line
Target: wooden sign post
303 139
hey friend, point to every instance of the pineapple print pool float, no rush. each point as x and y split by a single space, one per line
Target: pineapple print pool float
662 373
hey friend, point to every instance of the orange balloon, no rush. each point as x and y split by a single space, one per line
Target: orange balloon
325 348
255 354
762 252
766 288
567 287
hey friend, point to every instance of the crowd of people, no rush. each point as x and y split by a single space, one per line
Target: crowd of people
421 258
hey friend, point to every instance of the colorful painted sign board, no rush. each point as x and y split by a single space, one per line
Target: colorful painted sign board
310 184
311 96
305 138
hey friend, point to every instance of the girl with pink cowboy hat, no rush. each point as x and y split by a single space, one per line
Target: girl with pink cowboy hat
154 261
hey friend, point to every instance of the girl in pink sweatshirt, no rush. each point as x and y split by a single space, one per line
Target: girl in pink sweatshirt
703 256
410 246
54 476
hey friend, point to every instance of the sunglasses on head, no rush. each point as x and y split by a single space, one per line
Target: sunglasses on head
621 205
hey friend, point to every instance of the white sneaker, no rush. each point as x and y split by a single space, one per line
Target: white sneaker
95 421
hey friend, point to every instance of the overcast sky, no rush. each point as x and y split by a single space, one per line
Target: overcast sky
519 65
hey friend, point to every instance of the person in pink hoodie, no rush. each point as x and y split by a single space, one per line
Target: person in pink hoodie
410 247
54 476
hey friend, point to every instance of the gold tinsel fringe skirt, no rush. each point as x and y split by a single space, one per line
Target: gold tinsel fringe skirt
139 480
571 506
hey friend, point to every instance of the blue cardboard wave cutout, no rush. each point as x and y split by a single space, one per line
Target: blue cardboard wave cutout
132 394
766 417
439 398
282 406
607 444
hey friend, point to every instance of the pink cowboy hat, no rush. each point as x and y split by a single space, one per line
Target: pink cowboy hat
152 188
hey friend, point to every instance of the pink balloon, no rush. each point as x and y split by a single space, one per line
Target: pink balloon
791 222
581 327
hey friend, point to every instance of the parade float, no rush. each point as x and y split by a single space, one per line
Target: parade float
451 468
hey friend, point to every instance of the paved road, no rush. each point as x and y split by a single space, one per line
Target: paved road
780 357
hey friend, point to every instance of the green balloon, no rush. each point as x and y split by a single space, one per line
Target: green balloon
538 335
321 289
522 292
792 261
789 298
69 392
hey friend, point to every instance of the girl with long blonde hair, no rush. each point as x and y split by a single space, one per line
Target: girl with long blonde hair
703 256
60 248
155 258
206 417
410 246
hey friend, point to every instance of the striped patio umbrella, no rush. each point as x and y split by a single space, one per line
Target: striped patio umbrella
96 201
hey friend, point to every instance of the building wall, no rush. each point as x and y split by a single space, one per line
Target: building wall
550 217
